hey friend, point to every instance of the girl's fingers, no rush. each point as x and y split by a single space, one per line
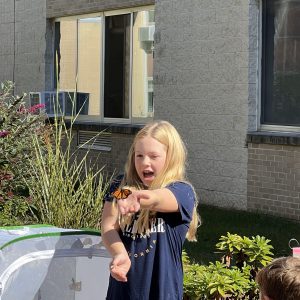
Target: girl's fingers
130 205
117 274
118 277
132 209
137 207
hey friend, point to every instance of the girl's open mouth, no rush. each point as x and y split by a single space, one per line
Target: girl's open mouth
148 174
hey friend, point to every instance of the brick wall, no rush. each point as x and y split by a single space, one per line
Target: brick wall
202 80
7 39
57 8
274 179
22 47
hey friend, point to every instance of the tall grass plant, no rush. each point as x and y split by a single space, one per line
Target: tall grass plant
68 190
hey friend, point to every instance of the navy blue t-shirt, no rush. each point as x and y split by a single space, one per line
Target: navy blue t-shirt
156 264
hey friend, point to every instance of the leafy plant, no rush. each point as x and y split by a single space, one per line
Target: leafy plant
67 191
17 125
233 277
255 252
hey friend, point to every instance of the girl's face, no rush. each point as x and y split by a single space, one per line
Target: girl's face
149 159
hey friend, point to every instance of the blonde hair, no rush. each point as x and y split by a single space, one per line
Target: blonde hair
173 170
280 279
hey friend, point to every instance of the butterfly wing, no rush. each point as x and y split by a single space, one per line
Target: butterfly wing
121 193
117 194
126 193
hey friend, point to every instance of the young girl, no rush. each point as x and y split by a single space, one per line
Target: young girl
145 232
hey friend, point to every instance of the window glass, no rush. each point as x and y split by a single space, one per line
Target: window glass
66 55
78 67
105 64
142 64
281 63
117 66
89 66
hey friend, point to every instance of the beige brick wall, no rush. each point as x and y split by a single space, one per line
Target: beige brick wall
273 179
23 44
205 84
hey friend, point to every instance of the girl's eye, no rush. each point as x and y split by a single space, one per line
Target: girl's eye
139 155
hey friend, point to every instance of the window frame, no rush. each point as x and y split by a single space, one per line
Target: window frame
101 118
261 107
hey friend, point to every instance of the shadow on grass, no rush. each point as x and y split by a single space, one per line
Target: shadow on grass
217 222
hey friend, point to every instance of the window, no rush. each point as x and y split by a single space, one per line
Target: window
108 58
281 63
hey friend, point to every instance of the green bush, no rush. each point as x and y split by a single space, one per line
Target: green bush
17 125
233 277
67 190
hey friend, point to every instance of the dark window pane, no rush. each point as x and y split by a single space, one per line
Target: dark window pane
117 66
281 62
56 53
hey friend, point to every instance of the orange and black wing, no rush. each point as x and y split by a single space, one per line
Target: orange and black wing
121 193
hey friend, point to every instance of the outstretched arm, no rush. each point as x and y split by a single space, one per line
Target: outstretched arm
120 263
162 200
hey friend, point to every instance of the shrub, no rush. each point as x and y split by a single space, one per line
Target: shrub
17 125
67 191
233 277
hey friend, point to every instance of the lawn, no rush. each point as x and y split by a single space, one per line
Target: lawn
217 222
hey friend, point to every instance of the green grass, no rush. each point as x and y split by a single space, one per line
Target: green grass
217 222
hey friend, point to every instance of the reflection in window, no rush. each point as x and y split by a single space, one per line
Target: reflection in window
78 51
66 51
142 66
281 63
89 63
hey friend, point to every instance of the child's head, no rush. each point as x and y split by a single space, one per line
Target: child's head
160 138
156 158
280 280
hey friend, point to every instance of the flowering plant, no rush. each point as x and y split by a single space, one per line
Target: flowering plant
17 125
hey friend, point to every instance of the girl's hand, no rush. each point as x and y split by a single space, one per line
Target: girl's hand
120 266
131 204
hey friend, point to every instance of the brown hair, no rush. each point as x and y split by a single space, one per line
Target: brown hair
280 280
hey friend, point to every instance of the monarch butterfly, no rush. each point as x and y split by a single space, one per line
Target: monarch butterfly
121 193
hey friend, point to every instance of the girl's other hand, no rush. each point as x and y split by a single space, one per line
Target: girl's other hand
120 266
